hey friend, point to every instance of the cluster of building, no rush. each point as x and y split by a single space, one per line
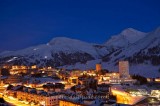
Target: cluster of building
106 77
79 96
77 88
31 95
16 69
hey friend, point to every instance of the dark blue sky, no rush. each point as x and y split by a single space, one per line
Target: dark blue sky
25 23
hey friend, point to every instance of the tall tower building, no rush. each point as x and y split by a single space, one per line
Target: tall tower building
98 67
124 69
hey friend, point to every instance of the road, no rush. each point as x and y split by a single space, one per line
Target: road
14 102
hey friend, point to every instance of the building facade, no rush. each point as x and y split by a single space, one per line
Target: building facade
124 69
44 100
98 67
69 103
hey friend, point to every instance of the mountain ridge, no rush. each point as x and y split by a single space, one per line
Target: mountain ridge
139 48
125 38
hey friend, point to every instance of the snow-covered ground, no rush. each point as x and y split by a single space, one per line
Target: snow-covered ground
148 71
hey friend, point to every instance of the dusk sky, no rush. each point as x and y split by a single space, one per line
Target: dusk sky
25 23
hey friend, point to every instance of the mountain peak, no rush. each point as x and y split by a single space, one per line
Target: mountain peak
126 37
60 40
129 29
130 32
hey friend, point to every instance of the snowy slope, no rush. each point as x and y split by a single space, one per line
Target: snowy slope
59 51
143 55
125 38
56 45
151 40
67 44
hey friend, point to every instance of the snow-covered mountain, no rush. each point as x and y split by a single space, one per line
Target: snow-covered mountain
125 38
143 55
58 52
149 45
141 49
